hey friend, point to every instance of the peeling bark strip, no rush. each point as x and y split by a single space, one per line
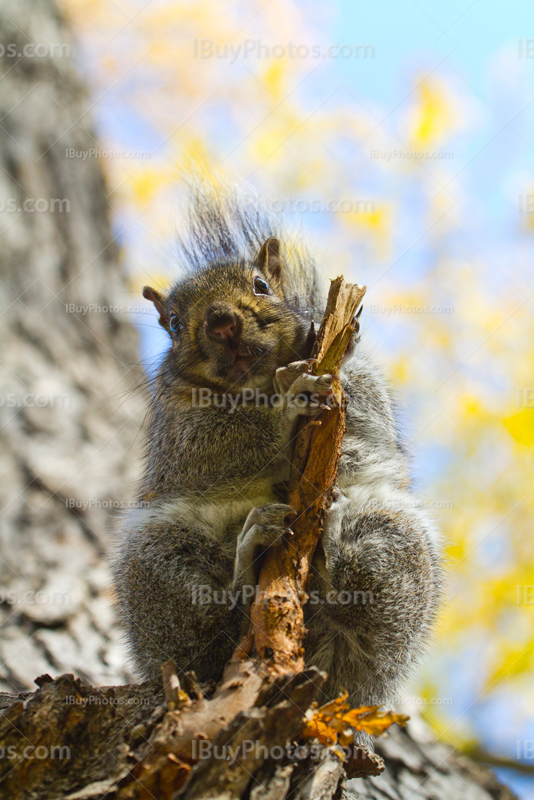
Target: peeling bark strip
277 629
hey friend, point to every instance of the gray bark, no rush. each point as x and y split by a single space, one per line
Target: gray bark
67 433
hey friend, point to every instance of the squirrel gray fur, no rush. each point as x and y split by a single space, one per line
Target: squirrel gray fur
212 495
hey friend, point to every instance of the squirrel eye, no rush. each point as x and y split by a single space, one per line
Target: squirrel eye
260 286
175 324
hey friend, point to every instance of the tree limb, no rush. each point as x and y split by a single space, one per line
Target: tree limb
277 629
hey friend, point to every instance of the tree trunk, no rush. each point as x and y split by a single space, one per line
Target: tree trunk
69 445
66 430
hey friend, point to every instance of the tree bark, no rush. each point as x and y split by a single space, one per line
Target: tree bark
100 744
68 449
68 446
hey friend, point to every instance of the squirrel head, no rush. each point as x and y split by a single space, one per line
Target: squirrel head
230 323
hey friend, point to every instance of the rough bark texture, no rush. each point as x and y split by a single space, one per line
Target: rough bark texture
119 743
67 433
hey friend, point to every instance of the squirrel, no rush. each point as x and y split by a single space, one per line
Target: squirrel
212 497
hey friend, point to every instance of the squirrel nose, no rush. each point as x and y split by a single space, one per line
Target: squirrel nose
221 325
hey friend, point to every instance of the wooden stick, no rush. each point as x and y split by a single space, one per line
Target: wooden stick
277 615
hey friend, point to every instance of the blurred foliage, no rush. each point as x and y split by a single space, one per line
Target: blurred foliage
438 241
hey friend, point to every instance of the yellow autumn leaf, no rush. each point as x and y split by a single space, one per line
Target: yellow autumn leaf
145 183
274 79
373 721
318 729
433 115
520 426
335 722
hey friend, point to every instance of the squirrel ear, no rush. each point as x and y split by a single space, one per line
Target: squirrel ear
151 294
269 258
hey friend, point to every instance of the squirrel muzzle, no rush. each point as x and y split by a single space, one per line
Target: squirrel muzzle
223 324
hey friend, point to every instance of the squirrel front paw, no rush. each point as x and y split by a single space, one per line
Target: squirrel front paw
303 392
263 527
285 376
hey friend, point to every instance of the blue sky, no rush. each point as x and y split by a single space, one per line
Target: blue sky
407 34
